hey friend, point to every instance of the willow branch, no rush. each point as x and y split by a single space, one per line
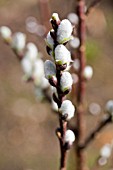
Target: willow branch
62 123
104 122
81 49
81 30
92 5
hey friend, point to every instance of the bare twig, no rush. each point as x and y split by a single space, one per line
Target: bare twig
92 5
101 125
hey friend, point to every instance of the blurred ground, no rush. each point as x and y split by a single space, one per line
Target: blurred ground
27 139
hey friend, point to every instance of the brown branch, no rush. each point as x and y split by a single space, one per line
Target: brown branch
59 99
91 137
45 12
63 159
62 123
81 30
92 5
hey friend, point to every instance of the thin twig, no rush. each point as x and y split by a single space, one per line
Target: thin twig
92 5
94 133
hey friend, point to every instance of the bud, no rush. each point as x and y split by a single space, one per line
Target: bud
64 31
54 106
18 41
6 33
49 69
76 64
69 137
94 109
73 18
109 107
66 81
55 17
75 42
68 109
106 151
44 83
102 161
27 67
62 55
88 72
39 93
32 52
38 72
54 91
75 78
49 41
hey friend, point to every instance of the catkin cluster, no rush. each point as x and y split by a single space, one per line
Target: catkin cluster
57 71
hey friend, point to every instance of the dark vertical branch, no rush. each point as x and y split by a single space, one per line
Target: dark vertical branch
81 86
63 126
62 123
63 159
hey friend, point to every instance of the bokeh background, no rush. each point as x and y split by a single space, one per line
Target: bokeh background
27 137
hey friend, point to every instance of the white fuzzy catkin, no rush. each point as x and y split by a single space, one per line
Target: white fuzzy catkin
76 64
73 18
18 41
55 17
106 151
64 31
26 66
54 90
6 33
69 137
31 51
38 72
44 83
54 105
62 55
109 107
74 43
102 161
66 81
49 41
88 72
49 69
67 108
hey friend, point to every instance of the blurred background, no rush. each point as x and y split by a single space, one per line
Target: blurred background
27 126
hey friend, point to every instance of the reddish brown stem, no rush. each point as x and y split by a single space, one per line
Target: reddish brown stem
63 127
81 49
81 86
62 123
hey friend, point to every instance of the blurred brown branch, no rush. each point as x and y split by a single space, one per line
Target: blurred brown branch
45 12
92 5
105 121
81 123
